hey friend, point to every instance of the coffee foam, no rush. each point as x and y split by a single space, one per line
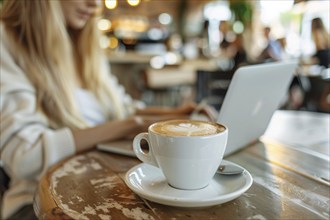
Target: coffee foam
187 128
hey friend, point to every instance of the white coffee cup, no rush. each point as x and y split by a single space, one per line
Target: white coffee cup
188 152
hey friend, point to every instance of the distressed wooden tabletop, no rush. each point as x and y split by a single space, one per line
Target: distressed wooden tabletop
290 180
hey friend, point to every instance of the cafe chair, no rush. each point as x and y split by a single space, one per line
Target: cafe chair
212 86
317 95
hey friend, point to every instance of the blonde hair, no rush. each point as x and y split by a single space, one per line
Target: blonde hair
320 34
50 55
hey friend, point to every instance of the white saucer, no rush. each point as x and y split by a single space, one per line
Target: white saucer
149 182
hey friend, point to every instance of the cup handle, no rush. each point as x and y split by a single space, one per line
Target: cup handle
144 157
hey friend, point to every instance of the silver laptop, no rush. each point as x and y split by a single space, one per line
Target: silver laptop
254 93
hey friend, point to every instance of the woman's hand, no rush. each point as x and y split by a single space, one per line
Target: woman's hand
205 110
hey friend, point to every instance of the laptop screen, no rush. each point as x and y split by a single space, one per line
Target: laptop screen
254 94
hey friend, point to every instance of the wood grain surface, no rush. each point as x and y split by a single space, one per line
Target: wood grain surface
290 182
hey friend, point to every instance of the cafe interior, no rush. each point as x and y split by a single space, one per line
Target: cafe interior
159 50
172 52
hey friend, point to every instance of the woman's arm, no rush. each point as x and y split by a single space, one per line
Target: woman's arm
87 138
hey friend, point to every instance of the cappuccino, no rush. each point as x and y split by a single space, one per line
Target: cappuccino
187 128
188 152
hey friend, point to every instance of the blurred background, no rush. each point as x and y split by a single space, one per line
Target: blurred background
153 27
160 49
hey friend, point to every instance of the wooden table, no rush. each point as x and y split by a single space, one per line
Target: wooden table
290 168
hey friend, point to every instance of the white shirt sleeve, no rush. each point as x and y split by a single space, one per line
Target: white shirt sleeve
28 146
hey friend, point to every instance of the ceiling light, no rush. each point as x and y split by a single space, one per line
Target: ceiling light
111 4
133 2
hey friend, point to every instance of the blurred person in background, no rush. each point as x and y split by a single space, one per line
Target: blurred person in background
225 31
240 58
321 39
58 97
273 50
283 43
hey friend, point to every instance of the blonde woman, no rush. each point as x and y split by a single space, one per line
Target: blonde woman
321 39
57 96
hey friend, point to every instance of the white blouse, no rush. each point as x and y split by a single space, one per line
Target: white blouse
89 107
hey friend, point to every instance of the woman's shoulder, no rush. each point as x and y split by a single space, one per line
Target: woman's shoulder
4 41
3 33
2 26
12 75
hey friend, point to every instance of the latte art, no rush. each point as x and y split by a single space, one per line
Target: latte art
187 128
